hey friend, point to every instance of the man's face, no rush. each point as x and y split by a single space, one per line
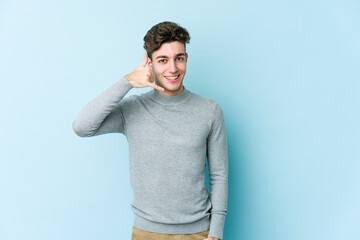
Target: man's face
169 67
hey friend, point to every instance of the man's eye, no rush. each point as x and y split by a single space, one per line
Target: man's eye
162 60
180 58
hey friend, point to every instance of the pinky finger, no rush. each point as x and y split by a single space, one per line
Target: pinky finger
153 85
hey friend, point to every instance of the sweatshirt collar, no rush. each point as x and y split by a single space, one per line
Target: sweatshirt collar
168 100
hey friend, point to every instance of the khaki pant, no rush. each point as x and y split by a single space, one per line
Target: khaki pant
138 234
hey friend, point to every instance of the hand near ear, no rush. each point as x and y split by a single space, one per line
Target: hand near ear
143 76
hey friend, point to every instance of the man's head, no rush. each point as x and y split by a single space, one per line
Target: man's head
165 44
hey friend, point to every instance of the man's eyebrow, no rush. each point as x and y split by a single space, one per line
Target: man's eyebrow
177 55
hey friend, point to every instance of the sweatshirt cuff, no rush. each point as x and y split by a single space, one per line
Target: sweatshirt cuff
217 225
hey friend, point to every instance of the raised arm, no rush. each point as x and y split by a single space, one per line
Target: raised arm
218 173
103 114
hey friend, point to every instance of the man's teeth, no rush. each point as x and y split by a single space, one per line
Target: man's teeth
172 78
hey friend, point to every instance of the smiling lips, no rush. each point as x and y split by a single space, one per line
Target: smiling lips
172 79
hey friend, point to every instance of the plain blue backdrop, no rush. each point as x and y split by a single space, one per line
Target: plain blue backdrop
286 74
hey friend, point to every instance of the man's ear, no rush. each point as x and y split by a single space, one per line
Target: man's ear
149 63
186 55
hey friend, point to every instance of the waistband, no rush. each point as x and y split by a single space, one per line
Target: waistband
188 228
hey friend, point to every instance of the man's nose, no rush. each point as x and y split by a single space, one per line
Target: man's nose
172 66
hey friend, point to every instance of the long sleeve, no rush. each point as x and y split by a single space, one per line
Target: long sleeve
103 114
218 173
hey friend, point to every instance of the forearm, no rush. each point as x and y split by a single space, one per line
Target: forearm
218 197
92 116
219 208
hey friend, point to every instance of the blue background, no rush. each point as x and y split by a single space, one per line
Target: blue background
286 74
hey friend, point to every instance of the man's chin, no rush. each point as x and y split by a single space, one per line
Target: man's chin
172 88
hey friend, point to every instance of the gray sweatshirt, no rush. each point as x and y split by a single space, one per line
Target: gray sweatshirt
169 139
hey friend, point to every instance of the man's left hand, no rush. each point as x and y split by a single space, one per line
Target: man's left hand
212 238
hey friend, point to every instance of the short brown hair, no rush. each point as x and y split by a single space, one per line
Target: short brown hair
164 32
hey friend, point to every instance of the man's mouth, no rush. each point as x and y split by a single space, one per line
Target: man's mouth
172 78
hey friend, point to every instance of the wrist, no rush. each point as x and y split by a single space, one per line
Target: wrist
127 77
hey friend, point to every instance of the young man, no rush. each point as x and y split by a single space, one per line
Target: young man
170 131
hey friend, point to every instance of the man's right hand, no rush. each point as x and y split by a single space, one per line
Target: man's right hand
143 76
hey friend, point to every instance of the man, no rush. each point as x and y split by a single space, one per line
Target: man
170 132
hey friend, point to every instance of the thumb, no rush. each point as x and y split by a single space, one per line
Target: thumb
144 61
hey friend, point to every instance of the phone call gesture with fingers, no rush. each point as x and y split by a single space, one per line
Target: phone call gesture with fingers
143 76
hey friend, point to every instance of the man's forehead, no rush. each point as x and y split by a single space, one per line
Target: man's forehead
170 49
172 55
